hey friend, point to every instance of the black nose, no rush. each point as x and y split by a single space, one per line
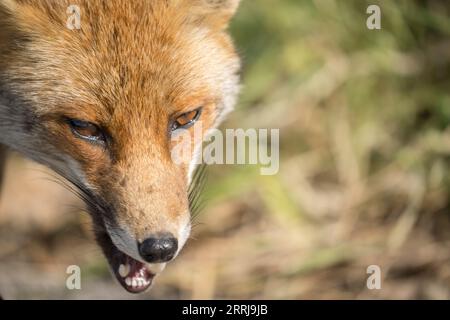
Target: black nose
158 248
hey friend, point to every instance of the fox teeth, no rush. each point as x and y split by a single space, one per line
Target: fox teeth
128 281
156 267
124 270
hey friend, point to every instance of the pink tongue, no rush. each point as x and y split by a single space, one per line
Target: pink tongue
138 269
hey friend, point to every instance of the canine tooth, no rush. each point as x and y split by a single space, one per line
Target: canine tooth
124 269
128 281
156 267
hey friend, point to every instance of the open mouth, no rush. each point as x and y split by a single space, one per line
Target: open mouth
133 275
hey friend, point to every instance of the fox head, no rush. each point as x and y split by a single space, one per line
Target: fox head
100 102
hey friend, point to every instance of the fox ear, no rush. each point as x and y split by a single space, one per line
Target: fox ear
216 13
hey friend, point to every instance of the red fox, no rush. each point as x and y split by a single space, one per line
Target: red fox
98 104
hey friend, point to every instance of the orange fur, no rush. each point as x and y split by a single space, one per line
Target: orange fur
131 67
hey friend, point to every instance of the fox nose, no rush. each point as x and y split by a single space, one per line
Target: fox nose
158 248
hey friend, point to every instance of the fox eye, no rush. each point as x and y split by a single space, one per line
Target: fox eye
186 120
86 130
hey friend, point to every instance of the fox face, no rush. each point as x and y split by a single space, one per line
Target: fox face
101 104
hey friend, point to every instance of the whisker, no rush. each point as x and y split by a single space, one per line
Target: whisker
196 202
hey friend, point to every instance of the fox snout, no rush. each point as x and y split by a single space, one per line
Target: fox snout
158 248
147 215
141 221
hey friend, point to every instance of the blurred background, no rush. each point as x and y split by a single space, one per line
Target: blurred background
364 150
